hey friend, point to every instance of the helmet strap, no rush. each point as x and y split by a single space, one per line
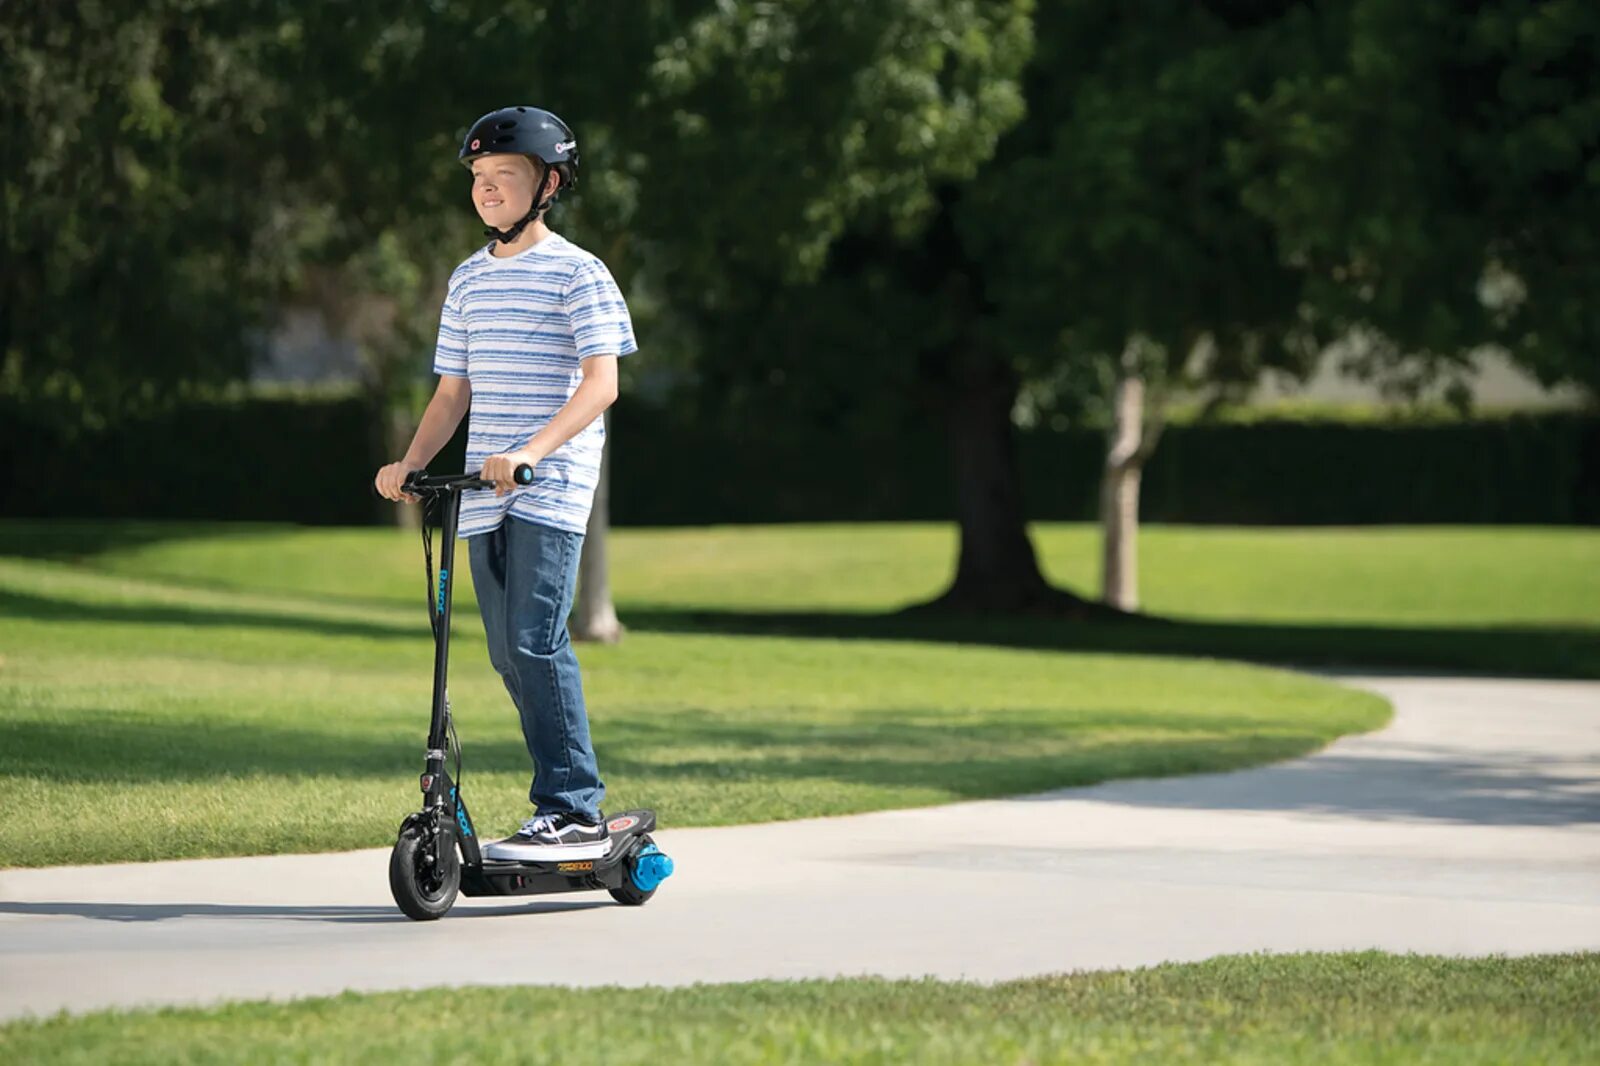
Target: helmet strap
506 236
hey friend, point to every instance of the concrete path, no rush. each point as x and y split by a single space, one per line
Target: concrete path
1470 826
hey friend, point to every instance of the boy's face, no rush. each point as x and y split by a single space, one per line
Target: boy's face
502 188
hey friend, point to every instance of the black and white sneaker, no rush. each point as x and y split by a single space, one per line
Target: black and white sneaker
553 836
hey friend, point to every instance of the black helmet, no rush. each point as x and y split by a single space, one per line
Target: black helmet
532 132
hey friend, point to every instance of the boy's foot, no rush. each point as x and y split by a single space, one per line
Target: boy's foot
553 836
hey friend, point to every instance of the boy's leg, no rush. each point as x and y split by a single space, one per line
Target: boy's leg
541 576
486 555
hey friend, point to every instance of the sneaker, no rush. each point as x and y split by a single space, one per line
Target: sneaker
553 836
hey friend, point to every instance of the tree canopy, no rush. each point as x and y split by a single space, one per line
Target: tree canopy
1435 168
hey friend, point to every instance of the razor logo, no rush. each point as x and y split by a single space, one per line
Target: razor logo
566 146
442 575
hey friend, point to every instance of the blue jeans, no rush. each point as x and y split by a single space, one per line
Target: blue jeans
525 575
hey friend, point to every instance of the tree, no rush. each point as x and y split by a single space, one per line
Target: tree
1435 169
1103 258
1141 273
808 147
802 211
138 244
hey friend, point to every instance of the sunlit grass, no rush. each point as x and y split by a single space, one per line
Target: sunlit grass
149 712
1341 1008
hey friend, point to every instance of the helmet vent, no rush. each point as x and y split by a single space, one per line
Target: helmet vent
509 124
503 138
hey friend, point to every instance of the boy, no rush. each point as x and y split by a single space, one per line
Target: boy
530 334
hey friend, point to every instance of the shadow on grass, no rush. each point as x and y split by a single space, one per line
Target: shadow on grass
74 539
1504 650
1008 754
1537 651
36 608
1005 752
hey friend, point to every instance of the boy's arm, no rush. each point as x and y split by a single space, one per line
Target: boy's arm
596 392
450 401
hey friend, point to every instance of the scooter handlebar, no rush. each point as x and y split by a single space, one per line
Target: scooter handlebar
422 481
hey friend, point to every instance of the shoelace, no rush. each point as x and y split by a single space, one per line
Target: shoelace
537 824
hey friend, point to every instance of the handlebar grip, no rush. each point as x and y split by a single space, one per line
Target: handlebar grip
523 474
405 486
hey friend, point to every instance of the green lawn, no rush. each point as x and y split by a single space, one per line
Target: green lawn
1511 600
177 690
1351 1008
1387 576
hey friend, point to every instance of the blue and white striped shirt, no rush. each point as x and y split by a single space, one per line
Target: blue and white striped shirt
517 328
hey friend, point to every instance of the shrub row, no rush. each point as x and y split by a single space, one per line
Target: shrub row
311 460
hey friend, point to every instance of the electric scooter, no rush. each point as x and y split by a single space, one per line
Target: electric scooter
437 853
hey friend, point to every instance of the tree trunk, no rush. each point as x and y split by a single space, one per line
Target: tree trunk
595 617
1137 419
399 428
997 570
1119 496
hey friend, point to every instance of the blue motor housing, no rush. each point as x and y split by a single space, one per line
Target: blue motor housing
650 868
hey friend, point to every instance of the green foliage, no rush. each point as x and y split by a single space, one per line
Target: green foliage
278 456
1433 167
858 116
1110 220
309 458
138 241
775 126
1521 469
1262 1010
170 177
717 138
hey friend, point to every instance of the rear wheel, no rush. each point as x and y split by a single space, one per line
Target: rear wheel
424 873
628 893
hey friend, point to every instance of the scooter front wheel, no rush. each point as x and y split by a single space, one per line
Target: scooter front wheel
424 873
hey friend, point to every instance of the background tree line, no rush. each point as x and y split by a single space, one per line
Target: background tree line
828 216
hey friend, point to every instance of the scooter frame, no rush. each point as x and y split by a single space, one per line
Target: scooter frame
444 823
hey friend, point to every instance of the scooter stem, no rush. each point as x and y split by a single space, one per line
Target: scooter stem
441 608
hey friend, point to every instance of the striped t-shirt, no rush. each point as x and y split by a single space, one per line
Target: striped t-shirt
517 328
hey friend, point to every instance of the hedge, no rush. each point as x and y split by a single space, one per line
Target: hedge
311 460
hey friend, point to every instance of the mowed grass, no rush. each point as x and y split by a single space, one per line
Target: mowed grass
184 691
1343 1008
1383 576
1508 600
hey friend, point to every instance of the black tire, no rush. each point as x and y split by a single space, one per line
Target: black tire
424 889
629 894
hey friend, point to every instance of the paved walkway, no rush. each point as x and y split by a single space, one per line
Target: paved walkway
1469 826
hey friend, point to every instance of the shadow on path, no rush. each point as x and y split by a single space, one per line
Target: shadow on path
1418 783
158 912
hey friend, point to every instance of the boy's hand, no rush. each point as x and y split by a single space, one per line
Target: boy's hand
389 480
501 469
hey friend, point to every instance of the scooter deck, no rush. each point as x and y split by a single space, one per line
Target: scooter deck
498 877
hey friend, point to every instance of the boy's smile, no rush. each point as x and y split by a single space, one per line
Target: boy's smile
502 188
